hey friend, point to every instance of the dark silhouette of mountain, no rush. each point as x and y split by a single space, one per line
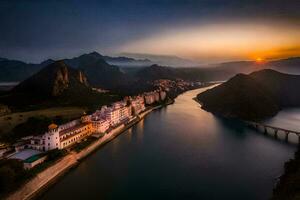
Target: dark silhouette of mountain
155 72
164 60
103 71
56 84
14 70
93 64
46 63
287 188
84 59
53 80
99 72
255 96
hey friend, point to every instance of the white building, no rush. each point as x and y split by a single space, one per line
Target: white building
37 143
149 98
125 113
163 95
117 113
59 137
52 140
137 104
112 115
100 125
152 97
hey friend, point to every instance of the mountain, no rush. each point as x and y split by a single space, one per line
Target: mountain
84 59
133 66
55 85
155 72
53 80
289 65
165 60
256 96
99 72
14 70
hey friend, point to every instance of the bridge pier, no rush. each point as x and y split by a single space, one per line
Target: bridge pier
265 130
275 133
287 135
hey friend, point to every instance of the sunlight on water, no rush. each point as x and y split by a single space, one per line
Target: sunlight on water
181 152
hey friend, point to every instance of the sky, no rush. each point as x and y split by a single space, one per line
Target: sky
201 30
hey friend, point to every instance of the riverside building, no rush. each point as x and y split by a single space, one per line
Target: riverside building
154 96
162 95
65 135
149 98
137 104
117 113
59 137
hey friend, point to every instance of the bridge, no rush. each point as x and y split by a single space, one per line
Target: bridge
267 128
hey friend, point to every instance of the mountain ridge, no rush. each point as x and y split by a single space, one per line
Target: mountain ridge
57 84
255 96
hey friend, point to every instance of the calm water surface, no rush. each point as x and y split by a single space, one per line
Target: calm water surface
182 152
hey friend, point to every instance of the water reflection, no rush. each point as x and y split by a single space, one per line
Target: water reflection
128 135
140 132
288 118
180 152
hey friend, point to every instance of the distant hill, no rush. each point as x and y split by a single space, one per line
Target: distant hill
99 72
155 72
289 65
14 70
165 60
84 59
95 65
104 71
255 96
53 80
56 84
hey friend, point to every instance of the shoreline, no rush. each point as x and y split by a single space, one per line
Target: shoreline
285 185
48 177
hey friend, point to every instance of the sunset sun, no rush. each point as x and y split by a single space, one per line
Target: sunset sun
259 60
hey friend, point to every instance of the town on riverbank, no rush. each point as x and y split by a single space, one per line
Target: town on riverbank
46 156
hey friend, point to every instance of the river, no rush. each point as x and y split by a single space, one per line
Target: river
182 152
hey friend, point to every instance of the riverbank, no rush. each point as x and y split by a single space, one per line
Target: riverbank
287 187
49 176
162 153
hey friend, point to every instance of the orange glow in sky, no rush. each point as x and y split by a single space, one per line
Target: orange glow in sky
259 60
223 42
